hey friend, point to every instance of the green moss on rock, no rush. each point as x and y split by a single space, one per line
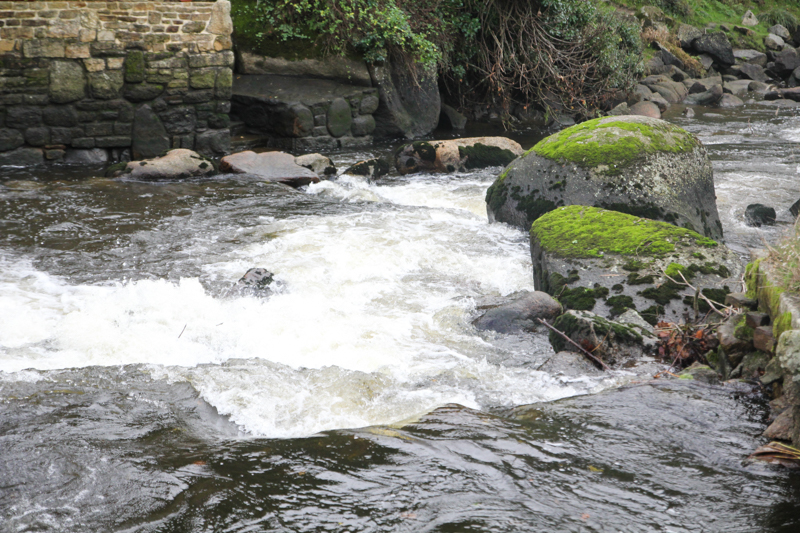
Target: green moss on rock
614 144
583 232
620 304
781 324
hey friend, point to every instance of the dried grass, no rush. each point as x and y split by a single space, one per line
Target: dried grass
784 257
670 42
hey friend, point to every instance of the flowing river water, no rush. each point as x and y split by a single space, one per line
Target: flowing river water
139 394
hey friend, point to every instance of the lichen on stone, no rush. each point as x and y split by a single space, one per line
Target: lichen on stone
614 144
584 232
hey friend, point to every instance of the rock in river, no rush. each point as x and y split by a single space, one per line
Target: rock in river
632 164
606 262
520 314
456 155
271 166
176 164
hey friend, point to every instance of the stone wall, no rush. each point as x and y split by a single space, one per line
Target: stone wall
124 78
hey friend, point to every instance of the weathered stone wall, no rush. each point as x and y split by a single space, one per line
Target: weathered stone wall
131 78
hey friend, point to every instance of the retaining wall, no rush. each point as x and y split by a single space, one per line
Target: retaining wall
129 78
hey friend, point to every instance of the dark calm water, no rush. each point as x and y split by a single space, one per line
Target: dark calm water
137 394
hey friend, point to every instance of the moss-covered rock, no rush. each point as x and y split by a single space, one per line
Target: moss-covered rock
372 168
612 341
456 155
607 262
637 165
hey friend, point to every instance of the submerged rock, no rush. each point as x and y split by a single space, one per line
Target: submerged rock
176 164
271 166
255 282
613 342
700 372
456 155
592 259
521 314
758 215
319 164
632 164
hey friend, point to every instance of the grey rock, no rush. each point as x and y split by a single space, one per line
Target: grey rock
749 19
729 100
270 166
774 42
369 104
659 100
91 156
105 85
709 97
786 61
758 215
339 117
255 282
149 138
717 46
10 139
22 157
37 136
339 69
67 82
363 125
409 105
701 373
23 117
751 56
452 119
641 92
622 109
213 143
706 60
319 164
520 314
687 35
753 72
684 182
780 31
179 120
788 352
569 364
143 92
60 116
737 88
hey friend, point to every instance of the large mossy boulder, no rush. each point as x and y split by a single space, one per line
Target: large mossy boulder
607 262
456 155
637 165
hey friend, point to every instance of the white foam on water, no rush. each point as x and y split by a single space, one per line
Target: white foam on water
371 326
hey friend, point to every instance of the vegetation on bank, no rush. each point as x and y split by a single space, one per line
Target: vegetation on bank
726 14
562 54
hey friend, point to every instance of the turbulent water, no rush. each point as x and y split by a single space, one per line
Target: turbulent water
138 392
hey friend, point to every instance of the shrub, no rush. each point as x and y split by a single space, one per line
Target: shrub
779 16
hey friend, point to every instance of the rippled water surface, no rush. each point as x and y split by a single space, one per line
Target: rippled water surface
137 393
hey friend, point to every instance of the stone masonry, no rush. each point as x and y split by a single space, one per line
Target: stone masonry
133 79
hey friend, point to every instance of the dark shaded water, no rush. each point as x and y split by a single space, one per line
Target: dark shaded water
137 395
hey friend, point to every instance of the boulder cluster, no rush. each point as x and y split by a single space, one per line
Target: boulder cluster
702 67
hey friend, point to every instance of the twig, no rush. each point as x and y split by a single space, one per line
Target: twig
578 346
184 329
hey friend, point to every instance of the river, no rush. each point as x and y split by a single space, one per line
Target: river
138 394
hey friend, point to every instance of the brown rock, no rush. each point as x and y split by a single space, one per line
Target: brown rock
740 300
271 166
755 320
645 109
781 428
763 339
